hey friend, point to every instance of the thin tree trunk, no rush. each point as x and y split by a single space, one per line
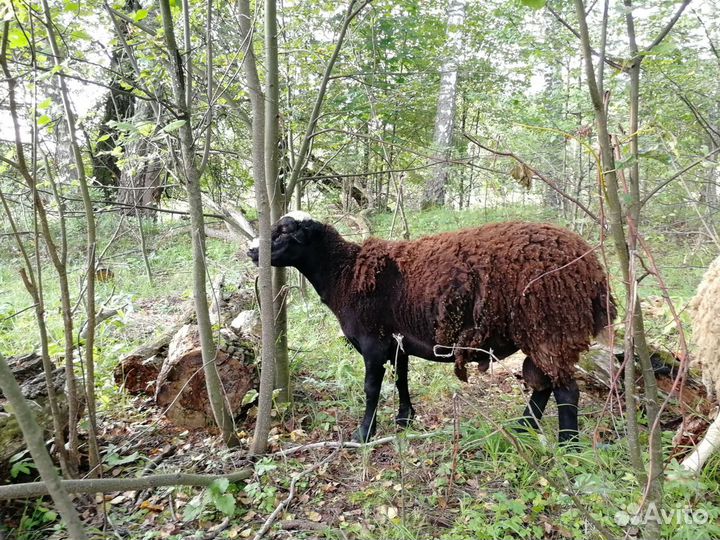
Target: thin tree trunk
35 291
635 336
652 404
36 445
58 258
257 101
276 195
609 181
191 176
93 452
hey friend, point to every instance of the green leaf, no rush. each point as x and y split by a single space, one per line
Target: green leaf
146 128
72 6
173 126
44 120
220 485
114 459
103 138
49 516
21 467
249 397
45 104
533 4
81 34
225 503
140 14
17 38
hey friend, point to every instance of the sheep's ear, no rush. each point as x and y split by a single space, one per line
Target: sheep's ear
308 231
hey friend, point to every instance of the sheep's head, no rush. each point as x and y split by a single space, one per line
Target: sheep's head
291 236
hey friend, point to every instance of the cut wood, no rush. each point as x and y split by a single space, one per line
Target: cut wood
180 387
170 368
28 371
599 366
138 371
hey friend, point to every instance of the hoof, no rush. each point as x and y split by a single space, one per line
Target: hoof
569 440
405 418
526 423
362 435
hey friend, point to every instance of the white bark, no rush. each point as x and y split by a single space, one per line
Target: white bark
445 116
710 444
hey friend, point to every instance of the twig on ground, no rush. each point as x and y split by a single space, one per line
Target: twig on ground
151 466
285 503
354 445
212 532
301 525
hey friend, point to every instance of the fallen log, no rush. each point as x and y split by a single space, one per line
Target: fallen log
600 366
28 371
110 485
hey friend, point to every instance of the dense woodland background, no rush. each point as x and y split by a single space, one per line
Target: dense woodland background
143 144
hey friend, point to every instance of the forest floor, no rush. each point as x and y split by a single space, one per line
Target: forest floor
461 471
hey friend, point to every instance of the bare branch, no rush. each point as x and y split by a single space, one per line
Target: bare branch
108 485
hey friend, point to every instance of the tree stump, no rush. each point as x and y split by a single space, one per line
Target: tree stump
180 386
170 368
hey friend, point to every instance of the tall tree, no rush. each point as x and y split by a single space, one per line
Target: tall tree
626 241
276 194
188 167
435 185
91 243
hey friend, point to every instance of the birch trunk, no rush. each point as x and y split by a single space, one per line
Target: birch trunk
436 184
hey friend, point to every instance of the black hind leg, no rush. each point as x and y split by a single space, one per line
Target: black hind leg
542 388
567 397
533 413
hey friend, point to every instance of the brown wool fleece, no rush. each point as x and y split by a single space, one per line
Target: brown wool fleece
538 286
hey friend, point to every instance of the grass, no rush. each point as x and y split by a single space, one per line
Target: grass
478 486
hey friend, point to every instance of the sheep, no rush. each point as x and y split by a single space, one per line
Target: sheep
705 314
474 295
705 317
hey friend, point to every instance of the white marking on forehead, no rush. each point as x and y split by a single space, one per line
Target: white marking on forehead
254 243
298 215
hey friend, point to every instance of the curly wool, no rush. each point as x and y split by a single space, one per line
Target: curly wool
537 286
705 314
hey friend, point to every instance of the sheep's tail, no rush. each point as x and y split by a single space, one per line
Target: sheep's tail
604 313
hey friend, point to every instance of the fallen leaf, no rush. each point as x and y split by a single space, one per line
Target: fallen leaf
314 516
147 505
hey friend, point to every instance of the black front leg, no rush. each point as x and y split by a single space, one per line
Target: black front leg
374 373
406 413
567 397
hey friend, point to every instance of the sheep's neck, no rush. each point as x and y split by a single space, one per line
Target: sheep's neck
331 268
